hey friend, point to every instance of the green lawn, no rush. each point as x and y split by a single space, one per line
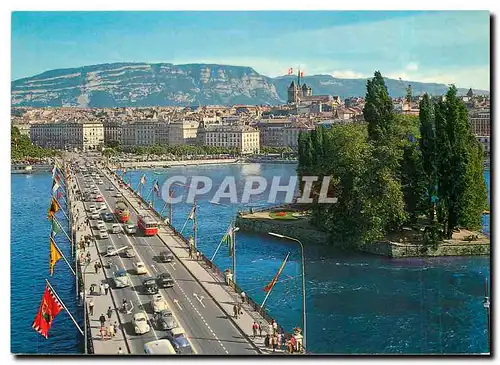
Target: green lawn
287 216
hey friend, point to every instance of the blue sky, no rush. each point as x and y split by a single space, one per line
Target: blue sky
445 47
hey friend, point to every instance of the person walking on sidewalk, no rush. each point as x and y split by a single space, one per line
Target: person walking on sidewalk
101 288
106 288
243 297
96 267
278 340
273 342
270 329
275 327
109 312
235 311
255 327
120 351
102 319
261 325
91 307
267 341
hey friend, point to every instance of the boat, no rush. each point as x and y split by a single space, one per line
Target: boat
122 211
21 169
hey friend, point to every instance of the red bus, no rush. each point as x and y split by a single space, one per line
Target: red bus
147 224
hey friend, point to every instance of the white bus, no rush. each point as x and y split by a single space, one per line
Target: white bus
159 347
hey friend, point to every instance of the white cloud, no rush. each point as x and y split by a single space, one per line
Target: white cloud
412 66
348 74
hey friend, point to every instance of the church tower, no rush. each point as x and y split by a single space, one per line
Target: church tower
293 93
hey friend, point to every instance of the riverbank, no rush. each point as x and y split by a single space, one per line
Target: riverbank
167 164
402 244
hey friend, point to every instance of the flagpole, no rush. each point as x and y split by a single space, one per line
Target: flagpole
62 255
64 306
170 200
195 226
220 243
233 244
272 287
60 226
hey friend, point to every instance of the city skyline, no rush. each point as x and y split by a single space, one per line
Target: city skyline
442 47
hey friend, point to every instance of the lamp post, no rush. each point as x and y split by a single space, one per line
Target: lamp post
303 279
235 229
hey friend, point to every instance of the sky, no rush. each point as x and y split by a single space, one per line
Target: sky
444 47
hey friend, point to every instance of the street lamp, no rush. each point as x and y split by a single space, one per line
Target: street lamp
235 229
303 279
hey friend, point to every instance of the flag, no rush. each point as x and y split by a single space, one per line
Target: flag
49 309
55 255
55 186
55 227
54 170
59 194
273 282
156 188
54 207
302 74
228 240
193 213
143 179
290 71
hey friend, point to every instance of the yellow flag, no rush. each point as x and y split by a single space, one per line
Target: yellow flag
55 255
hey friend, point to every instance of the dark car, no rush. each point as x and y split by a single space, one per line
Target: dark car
150 286
165 280
166 256
165 320
178 339
107 217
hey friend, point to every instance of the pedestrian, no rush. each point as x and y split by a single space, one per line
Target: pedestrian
283 340
96 268
243 297
255 327
124 305
115 327
102 319
101 289
190 252
261 325
91 307
81 297
270 329
120 351
275 327
197 255
106 288
282 330
235 311
275 343
278 340
110 312
111 330
267 340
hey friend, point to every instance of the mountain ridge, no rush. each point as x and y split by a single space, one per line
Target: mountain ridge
129 84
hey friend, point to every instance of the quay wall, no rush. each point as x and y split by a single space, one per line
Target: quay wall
382 248
153 164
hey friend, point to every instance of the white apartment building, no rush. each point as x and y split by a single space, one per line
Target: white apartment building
480 121
141 133
182 132
68 135
112 132
162 132
244 138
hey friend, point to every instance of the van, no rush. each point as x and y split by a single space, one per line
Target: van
130 229
116 228
159 347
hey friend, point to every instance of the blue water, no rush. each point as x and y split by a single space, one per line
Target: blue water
356 303
30 232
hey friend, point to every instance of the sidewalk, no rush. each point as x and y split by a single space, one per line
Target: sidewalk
217 288
101 302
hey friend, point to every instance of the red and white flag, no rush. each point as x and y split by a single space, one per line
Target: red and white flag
290 71
302 74
49 309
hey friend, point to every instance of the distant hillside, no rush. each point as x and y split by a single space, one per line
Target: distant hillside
164 84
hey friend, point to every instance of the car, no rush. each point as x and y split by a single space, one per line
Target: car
130 229
166 256
140 268
178 339
100 225
116 228
118 195
165 280
103 206
140 323
91 207
107 217
110 251
158 303
129 252
94 215
99 199
111 188
165 320
100 182
121 278
103 233
149 285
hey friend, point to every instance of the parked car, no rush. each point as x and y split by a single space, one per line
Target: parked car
94 215
100 225
130 229
102 206
158 303
116 228
110 251
100 182
165 320
140 323
165 280
140 268
110 188
129 252
99 199
91 207
166 256
121 279
149 285
178 339
119 195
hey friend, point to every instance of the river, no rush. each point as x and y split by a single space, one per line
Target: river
356 303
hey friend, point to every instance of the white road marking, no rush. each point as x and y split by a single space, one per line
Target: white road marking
177 303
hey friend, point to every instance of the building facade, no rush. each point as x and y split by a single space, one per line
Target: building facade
243 138
183 132
112 132
86 136
480 122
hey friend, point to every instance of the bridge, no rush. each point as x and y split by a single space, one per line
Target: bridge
200 300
